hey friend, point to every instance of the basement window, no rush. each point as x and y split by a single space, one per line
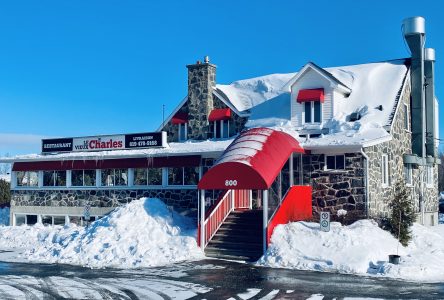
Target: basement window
335 162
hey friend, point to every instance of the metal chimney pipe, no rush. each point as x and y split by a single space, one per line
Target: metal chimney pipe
429 72
414 34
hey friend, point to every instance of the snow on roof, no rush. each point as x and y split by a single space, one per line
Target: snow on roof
372 85
174 149
248 93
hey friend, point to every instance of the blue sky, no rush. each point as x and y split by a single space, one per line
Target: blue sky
73 68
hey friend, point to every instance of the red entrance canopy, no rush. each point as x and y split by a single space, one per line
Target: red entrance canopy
180 118
252 161
310 95
219 114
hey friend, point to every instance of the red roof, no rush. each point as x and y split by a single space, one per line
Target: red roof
219 114
252 161
180 118
311 95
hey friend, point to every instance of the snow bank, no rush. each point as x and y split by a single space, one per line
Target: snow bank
143 233
4 216
361 248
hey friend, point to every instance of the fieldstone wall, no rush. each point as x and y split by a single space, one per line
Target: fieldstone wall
180 200
379 196
201 82
336 189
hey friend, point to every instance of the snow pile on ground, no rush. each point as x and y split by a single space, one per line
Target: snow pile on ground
4 216
141 234
361 248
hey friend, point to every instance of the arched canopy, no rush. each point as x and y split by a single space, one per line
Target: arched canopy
252 161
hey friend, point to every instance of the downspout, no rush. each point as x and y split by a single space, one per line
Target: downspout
367 198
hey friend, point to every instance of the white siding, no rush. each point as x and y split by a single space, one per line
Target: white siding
311 80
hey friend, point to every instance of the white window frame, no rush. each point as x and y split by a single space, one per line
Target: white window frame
182 138
385 170
214 125
408 174
406 117
335 156
312 112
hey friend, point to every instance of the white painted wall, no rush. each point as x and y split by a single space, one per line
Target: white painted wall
311 80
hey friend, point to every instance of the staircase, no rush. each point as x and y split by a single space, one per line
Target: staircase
239 237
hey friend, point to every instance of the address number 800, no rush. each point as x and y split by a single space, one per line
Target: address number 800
230 182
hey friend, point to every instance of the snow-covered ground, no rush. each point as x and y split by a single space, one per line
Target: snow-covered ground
361 248
143 233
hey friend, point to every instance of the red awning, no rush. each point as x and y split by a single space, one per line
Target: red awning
219 114
180 118
139 162
252 161
311 95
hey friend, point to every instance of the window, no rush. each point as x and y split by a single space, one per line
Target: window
27 178
221 129
54 178
429 175
312 111
406 117
83 177
408 175
183 132
335 162
183 176
114 177
151 176
384 170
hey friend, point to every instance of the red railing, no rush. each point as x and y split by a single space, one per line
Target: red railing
217 216
242 199
296 206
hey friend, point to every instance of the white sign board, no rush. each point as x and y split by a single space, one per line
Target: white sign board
325 221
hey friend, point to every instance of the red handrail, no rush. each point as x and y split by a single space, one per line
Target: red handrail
217 216
296 206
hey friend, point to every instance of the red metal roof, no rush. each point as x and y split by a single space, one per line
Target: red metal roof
139 162
310 95
252 161
180 118
219 114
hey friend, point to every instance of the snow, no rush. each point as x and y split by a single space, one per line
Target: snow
361 248
5 177
4 216
368 83
143 233
248 93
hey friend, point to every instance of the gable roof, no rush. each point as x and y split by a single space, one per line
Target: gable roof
327 75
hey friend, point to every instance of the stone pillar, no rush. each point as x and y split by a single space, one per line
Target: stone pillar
201 82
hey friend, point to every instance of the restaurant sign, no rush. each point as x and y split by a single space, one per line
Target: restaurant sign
105 142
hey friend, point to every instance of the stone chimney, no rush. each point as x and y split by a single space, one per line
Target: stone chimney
201 82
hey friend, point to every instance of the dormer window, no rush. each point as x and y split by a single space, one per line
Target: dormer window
220 122
312 99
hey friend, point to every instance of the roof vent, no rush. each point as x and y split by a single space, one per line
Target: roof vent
355 116
379 107
206 59
429 54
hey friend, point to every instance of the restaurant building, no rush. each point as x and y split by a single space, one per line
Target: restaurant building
347 133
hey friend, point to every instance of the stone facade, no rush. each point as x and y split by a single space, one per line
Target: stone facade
336 189
379 195
180 199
